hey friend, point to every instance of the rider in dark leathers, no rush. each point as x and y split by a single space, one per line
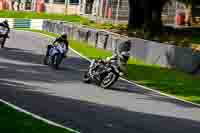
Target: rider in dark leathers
6 25
120 57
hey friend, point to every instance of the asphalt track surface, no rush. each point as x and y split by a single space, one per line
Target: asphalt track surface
61 96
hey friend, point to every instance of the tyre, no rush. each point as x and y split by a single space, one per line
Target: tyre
56 60
45 60
2 42
109 80
86 77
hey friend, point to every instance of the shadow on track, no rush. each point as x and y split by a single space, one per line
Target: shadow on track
24 65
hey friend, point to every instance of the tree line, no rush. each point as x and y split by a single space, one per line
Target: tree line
147 14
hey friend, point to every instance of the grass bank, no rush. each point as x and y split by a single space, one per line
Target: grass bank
34 15
62 17
166 80
12 121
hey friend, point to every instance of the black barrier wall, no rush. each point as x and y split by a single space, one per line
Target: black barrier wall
150 52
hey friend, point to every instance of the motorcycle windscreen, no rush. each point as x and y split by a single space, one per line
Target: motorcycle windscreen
3 30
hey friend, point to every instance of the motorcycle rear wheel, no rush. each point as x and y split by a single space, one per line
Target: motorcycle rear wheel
86 77
56 60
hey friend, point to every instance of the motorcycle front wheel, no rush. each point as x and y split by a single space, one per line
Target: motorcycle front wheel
109 80
56 60
45 60
2 42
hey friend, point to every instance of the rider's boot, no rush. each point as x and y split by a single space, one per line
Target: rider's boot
3 42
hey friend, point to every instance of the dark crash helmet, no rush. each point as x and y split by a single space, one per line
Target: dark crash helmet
128 44
5 22
125 46
64 36
125 55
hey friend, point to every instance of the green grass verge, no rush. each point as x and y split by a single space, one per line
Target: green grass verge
166 80
12 121
34 15
62 17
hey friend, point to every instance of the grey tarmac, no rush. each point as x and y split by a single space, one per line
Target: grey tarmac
61 96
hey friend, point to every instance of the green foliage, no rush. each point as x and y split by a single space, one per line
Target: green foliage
122 27
195 39
187 2
85 22
108 25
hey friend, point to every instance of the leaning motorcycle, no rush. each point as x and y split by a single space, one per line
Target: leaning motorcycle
104 73
4 35
55 57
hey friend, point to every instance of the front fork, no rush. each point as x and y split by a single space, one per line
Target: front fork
91 68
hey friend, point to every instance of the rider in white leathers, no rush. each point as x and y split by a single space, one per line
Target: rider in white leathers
59 45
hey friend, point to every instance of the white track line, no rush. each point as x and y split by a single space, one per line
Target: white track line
36 116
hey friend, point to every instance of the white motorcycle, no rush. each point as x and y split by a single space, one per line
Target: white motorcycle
56 55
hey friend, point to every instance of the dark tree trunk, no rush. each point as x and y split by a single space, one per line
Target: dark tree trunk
156 25
131 14
147 16
153 17
89 4
12 5
135 15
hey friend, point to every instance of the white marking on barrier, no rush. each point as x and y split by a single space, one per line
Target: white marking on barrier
36 24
